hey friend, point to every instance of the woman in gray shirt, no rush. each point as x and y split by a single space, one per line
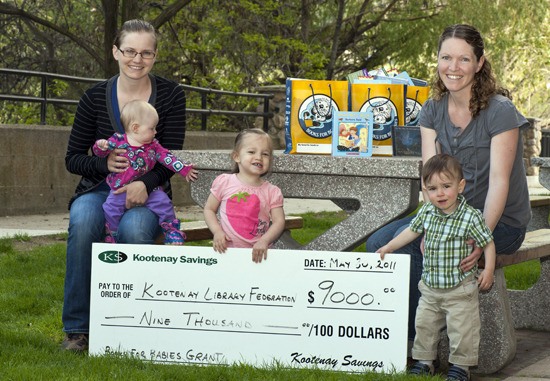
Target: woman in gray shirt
474 120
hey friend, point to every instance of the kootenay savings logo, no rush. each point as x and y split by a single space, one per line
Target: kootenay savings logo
112 256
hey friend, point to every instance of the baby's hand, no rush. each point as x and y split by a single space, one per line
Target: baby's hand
192 174
485 280
103 144
219 243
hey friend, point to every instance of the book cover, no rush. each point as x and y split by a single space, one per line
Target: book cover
406 141
352 134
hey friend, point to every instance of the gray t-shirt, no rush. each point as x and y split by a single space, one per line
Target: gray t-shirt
472 149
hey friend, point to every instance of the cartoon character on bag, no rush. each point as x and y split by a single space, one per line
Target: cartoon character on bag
317 112
384 116
315 115
412 111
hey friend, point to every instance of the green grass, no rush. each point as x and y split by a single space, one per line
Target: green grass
317 223
31 297
523 275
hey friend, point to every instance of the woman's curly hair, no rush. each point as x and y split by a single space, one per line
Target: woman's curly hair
485 85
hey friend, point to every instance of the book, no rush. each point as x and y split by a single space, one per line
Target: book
406 141
352 134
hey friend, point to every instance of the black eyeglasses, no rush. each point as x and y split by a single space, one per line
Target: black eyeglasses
131 53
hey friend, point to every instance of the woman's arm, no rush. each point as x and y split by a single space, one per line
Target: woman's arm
503 153
429 148
429 144
82 137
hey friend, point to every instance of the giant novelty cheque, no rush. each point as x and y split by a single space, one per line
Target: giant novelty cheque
343 311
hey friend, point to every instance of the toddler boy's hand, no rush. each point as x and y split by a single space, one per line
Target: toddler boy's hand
485 280
383 251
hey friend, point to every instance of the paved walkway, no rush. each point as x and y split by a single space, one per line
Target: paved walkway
532 361
48 224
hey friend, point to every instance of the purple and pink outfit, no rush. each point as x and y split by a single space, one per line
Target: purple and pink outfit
244 212
141 159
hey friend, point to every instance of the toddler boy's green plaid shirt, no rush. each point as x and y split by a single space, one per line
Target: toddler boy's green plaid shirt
445 237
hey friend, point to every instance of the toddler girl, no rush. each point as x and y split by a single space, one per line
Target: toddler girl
250 208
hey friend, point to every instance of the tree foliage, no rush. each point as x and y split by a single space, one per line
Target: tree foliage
240 45
517 42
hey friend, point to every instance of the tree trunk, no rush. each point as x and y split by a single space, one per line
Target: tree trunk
336 39
110 11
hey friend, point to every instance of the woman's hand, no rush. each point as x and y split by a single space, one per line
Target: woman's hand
116 163
471 260
136 194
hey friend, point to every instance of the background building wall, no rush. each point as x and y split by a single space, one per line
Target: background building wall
34 180
33 177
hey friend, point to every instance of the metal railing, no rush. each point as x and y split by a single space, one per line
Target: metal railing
204 111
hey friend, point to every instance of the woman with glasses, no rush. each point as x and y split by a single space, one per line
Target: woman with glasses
473 119
98 117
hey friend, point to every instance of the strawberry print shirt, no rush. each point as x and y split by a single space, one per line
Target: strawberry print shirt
244 211
142 160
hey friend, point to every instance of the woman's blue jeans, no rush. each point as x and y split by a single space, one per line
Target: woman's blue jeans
507 239
87 225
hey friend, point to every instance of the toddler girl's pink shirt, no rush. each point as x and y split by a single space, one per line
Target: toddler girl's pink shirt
244 211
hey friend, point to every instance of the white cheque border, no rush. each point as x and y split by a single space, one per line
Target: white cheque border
335 310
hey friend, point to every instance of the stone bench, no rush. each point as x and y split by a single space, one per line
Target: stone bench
540 209
373 192
503 311
198 230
